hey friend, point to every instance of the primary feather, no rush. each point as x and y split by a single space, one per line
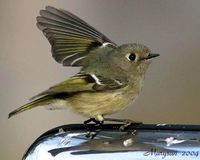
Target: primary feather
71 38
38 102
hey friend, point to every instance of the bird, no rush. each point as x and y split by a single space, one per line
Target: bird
111 75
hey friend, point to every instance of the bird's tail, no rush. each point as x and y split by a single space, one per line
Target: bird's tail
38 102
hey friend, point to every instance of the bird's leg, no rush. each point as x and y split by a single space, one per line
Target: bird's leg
127 122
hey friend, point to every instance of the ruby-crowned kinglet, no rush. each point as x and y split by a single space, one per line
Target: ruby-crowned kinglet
110 78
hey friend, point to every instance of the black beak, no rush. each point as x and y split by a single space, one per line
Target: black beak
152 55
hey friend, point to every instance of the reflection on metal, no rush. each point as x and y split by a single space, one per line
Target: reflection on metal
141 142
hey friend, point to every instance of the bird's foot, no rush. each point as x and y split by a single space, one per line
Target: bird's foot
92 132
97 123
126 122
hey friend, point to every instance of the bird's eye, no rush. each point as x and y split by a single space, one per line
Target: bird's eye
131 56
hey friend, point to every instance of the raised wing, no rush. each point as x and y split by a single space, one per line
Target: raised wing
83 83
70 37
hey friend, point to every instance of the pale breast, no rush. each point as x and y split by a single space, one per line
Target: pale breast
102 103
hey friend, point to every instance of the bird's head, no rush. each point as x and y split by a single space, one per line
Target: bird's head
133 57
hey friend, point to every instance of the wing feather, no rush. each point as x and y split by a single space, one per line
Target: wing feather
71 38
83 83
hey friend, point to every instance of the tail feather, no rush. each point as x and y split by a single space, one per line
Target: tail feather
38 102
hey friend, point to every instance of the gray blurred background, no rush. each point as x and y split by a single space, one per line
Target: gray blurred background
171 92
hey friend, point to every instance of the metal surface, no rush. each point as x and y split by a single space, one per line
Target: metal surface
141 142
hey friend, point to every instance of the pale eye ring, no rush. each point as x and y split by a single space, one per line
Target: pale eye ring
131 56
